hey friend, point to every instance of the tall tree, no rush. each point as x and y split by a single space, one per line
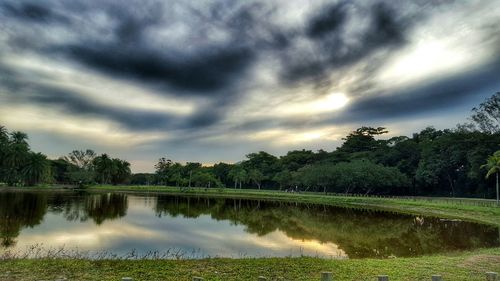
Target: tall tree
4 135
36 169
296 159
16 154
363 139
104 168
266 164
493 167
81 159
256 176
283 178
120 172
162 169
18 137
221 171
238 174
81 166
487 115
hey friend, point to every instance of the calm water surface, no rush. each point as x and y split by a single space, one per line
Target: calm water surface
199 227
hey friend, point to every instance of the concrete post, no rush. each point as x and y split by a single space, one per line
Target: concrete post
326 276
437 278
127 279
491 276
383 278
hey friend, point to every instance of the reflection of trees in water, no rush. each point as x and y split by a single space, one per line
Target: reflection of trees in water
19 210
360 233
27 209
106 207
98 207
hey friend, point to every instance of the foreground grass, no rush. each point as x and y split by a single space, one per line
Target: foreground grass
462 266
465 209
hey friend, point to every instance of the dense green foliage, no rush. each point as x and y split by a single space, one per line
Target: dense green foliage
431 162
19 166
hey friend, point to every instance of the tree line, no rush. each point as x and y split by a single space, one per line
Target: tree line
449 162
19 166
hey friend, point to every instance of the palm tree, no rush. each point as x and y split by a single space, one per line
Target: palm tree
18 137
493 166
4 142
4 135
36 168
120 171
104 167
14 159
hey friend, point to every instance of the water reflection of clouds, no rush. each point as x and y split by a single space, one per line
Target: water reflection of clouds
199 227
85 236
142 230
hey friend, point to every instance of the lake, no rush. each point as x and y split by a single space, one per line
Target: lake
140 225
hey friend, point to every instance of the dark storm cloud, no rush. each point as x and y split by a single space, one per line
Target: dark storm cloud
333 47
29 11
328 20
127 54
214 68
204 73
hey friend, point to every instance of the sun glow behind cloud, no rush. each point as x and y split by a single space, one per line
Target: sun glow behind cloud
330 102
449 47
426 60
281 137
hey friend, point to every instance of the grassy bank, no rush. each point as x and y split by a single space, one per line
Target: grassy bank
463 266
465 209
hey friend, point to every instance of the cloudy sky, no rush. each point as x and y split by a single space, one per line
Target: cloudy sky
213 80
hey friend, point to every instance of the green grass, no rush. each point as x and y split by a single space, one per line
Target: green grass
452 266
462 266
